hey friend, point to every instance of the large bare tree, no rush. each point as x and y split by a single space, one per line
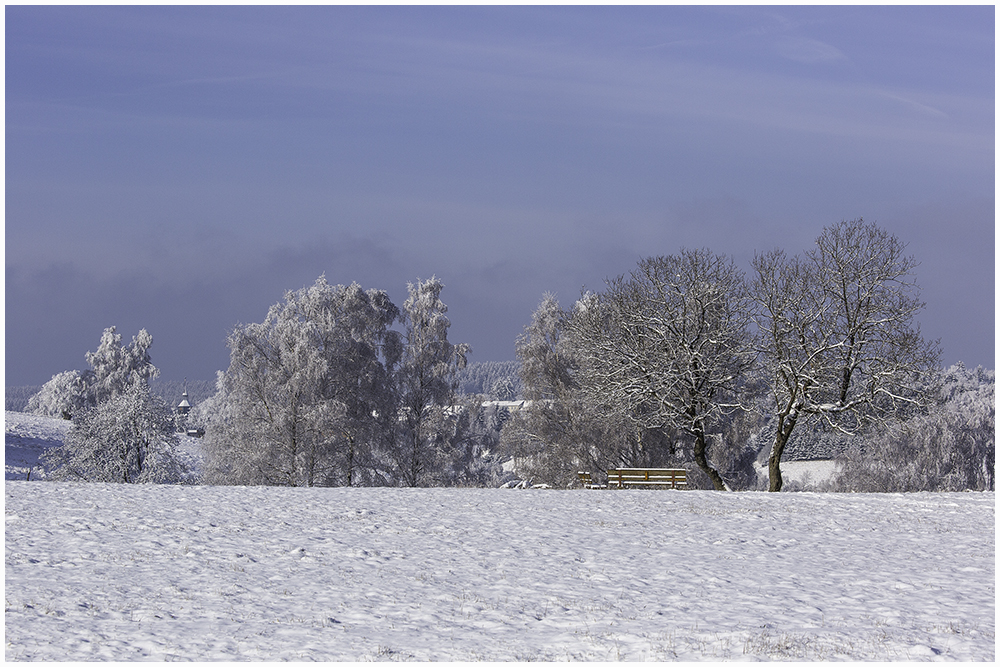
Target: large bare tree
671 342
838 332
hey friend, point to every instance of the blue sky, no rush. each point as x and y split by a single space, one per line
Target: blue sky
178 168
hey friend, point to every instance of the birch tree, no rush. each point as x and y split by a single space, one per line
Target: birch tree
839 340
426 382
114 369
307 391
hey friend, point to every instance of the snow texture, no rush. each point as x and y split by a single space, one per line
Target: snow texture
147 572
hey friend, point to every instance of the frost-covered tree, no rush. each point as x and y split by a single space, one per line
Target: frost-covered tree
670 344
949 447
307 398
62 396
546 438
426 384
127 438
839 341
114 369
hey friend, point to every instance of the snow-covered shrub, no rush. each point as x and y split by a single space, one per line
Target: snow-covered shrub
128 438
951 447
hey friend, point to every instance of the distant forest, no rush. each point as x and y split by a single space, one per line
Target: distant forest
496 380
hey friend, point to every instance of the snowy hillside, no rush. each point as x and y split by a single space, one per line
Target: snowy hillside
25 438
119 572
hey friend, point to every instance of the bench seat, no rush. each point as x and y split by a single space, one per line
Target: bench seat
670 478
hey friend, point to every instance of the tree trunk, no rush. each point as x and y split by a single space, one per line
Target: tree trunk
350 459
784 432
700 447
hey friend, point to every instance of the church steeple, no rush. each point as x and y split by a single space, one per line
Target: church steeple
184 406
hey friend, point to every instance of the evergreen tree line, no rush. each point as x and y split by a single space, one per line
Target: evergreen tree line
496 380
16 397
685 362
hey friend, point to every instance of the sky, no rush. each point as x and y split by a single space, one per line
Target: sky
179 169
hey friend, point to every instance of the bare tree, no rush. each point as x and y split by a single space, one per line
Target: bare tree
839 340
671 344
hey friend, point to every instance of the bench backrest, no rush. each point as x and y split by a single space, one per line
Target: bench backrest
674 478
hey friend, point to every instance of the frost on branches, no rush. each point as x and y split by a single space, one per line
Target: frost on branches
839 340
114 369
307 397
426 382
562 428
121 432
671 344
128 438
951 446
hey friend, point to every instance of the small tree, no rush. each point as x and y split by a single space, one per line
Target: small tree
426 382
838 332
128 438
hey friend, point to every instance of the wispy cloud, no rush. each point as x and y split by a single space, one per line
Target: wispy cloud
807 50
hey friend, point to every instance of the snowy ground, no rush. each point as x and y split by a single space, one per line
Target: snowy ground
805 474
116 572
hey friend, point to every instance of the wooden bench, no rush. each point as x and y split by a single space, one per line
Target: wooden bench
668 478
587 482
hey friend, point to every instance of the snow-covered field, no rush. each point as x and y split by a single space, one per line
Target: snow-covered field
116 572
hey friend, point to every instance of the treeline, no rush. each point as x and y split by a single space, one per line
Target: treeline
496 380
325 391
16 398
684 362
